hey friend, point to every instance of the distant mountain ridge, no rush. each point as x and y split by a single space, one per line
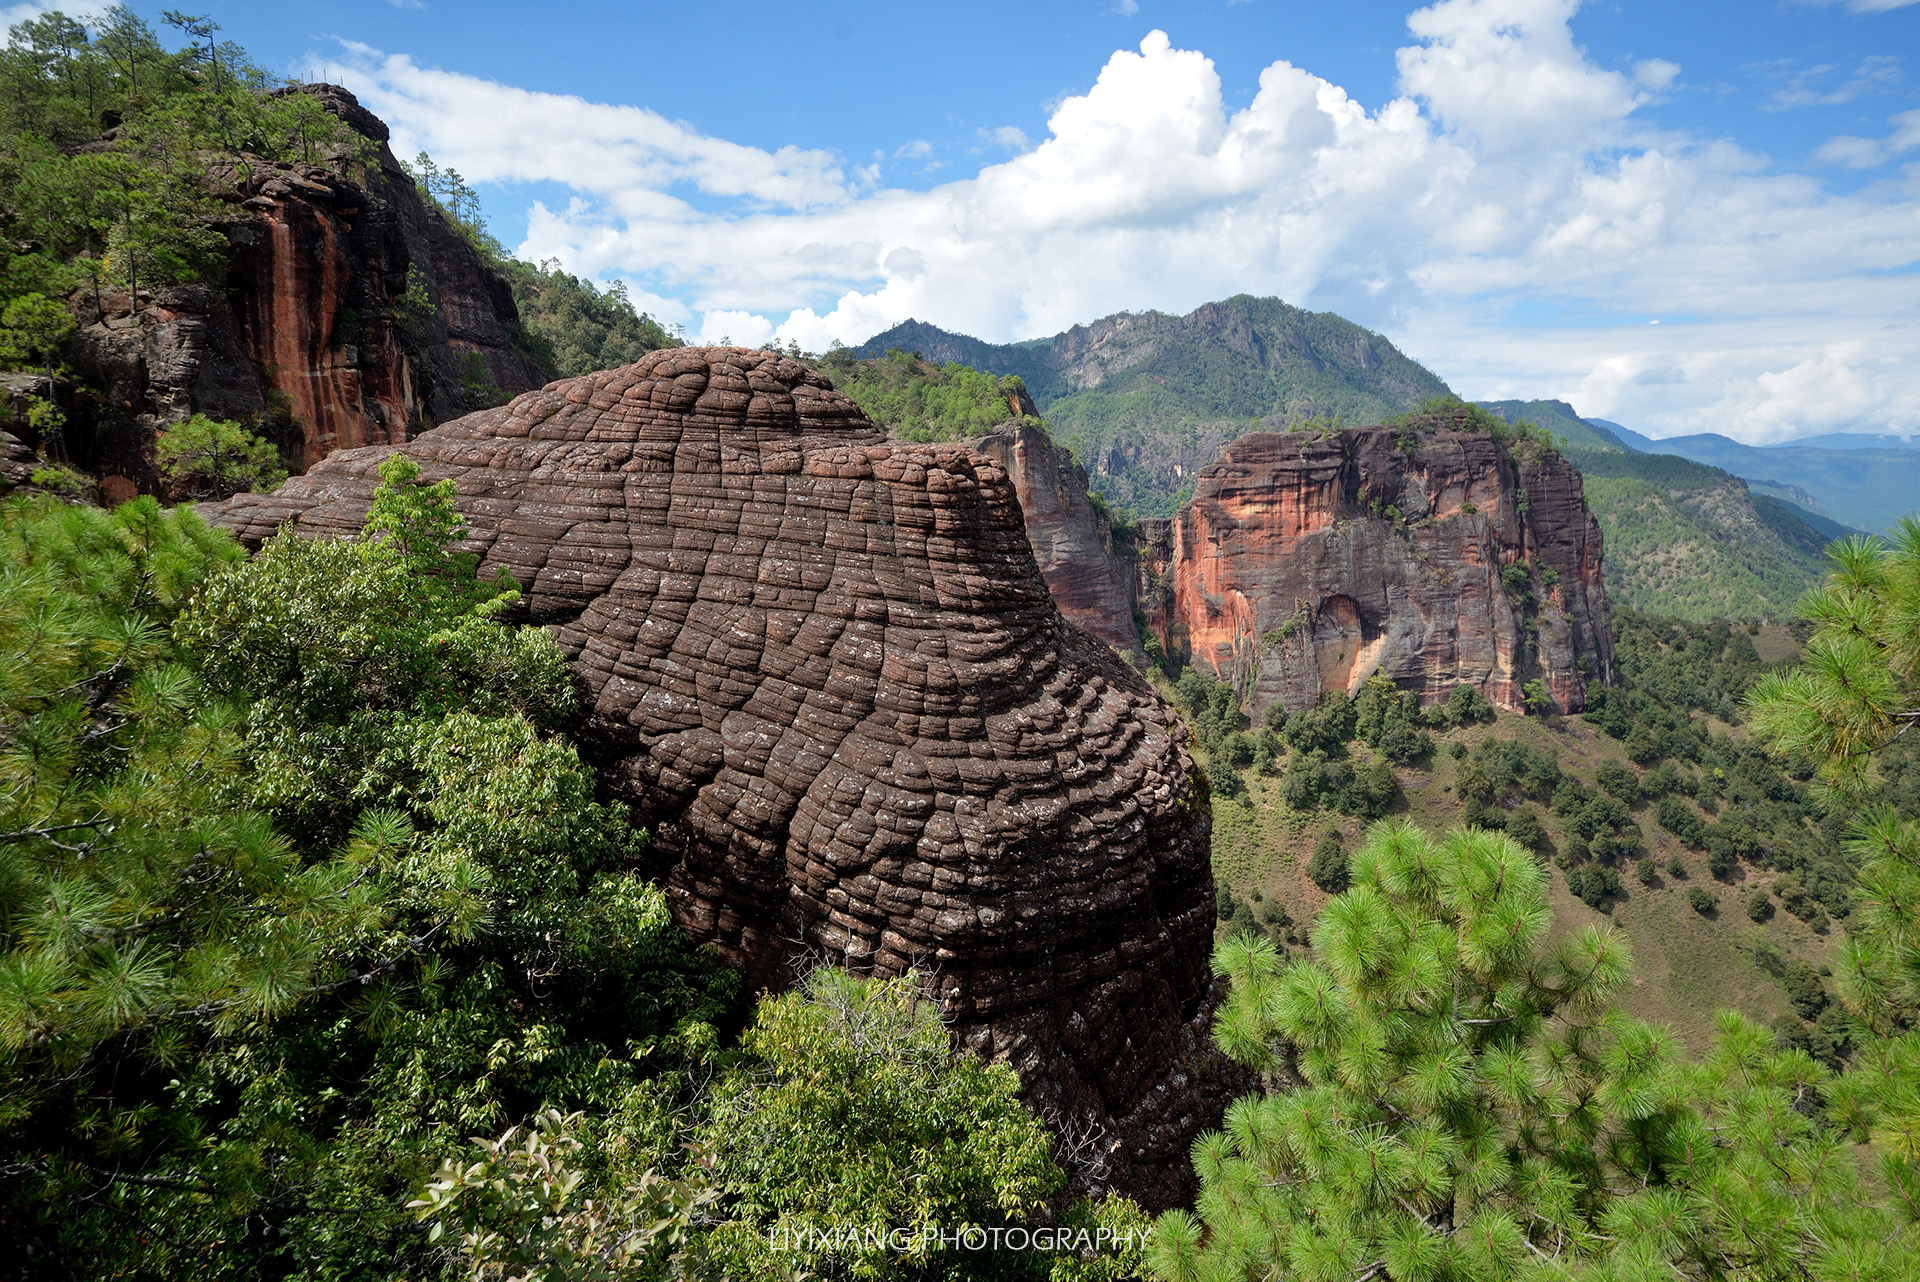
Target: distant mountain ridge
1146 399
1866 487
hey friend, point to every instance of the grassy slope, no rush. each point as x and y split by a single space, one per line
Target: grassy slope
1685 966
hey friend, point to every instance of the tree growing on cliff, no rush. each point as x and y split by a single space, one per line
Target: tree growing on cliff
206 458
1455 1096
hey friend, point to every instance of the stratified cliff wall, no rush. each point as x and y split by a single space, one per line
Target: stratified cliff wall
352 314
1308 561
1072 540
824 670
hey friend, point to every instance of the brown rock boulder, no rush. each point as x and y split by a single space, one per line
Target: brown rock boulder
825 672
1308 561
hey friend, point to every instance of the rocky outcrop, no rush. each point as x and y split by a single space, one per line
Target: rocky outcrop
1072 540
1308 561
823 669
353 313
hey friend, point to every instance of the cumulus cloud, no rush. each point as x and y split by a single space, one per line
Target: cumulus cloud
1510 176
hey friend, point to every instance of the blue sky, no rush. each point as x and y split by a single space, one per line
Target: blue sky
1683 216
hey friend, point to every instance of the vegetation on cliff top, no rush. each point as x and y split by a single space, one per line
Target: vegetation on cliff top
110 147
917 400
568 326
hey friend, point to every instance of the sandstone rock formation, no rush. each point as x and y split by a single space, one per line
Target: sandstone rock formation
1072 540
1308 561
313 338
824 670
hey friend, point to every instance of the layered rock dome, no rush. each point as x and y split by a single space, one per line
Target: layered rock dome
824 670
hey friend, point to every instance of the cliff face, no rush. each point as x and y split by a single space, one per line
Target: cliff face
1309 561
824 671
315 337
1072 541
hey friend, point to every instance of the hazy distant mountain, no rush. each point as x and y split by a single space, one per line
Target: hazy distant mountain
1868 487
1146 399
1854 441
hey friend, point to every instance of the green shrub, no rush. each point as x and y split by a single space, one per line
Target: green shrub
1328 868
1702 901
1759 906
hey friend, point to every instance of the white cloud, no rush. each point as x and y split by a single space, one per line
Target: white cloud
1511 178
1867 6
1867 153
1011 137
1815 87
79 10
1126 8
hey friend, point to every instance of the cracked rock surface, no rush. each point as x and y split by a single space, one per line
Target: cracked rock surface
824 670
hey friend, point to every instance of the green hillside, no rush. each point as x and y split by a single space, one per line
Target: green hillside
1686 539
1655 810
1558 417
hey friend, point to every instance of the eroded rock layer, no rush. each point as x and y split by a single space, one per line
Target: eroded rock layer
822 667
1308 561
1072 540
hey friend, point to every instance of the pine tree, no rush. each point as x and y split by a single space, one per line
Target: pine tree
1854 690
1452 1096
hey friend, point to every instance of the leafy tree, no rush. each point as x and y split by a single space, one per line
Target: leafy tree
1454 1097
32 328
848 1109
326 881
1759 906
1701 901
1854 690
207 458
523 1209
1539 699
1390 721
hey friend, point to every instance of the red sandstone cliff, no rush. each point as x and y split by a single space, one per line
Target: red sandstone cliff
312 337
1072 540
1308 561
